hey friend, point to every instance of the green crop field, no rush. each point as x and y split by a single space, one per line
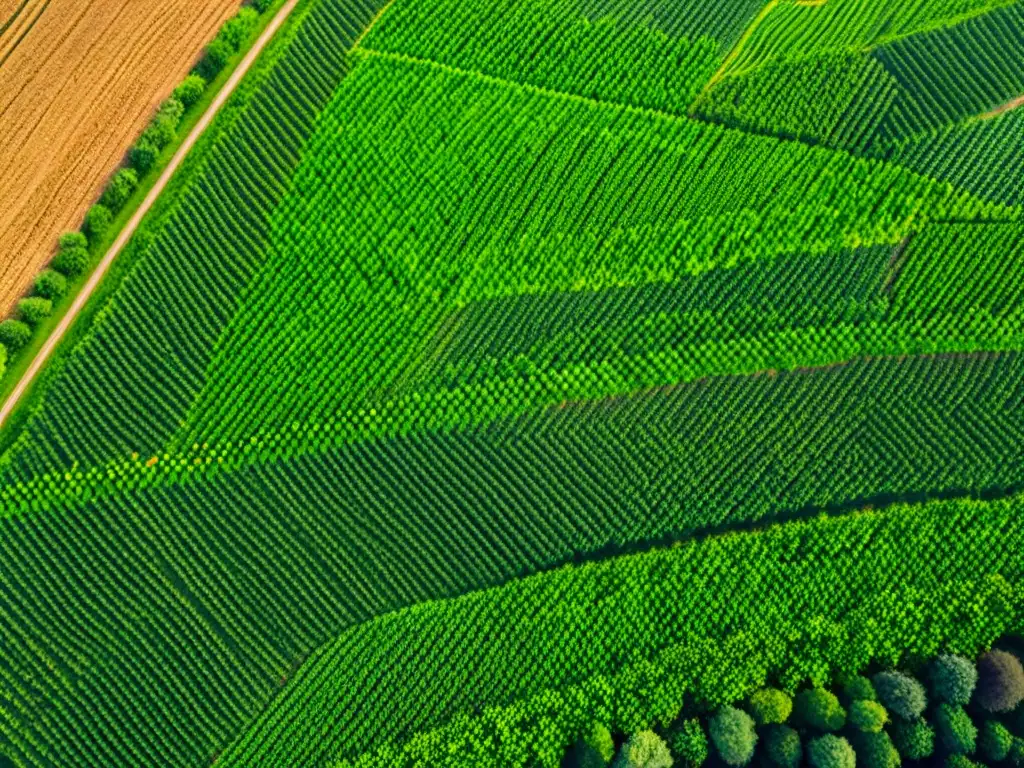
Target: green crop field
497 371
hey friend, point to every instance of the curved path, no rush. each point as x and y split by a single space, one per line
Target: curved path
129 229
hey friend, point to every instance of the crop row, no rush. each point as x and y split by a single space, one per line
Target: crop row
198 596
488 191
628 640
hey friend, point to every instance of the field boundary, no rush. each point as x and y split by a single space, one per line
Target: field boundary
126 234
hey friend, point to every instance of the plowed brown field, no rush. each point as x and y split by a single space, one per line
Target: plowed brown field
79 80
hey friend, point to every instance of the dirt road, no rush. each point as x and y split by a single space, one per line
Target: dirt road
129 229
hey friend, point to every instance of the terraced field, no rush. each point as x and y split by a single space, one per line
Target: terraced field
496 371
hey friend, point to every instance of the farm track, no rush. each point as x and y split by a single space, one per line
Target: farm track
129 230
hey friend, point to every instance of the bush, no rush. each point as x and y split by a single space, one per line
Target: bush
900 694
1000 682
876 750
831 751
867 716
51 285
143 154
1016 756
35 309
783 745
859 689
71 240
953 679
820 709
98 221
262 5
995 741
71 262
689 744
164 126
914 741
732 733
216 57
14 334
240 28
955 730
190 91
594 749
120 189
645 749
770 706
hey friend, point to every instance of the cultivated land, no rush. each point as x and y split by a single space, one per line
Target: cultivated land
79 79
496 369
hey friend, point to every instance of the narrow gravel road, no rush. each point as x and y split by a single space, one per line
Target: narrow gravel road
129 229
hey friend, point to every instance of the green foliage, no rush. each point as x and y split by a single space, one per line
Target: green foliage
914 740
901 694
732 733
689 744
867 716
961 761
190 90
770 706
953 679
14 334
783 748
1000 682
72 240
237 30
143 155
71 262
875 750
953 726
830 751
644 749
594 749
819 709
1016 755
859 688
215 58
261 6
97 222
51 285
34 309
995 741
120 189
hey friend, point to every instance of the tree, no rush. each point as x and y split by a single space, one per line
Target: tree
71 262
190 90
238 29
98 221
961 761
783 746
900 694
732 733
72 240
14 334
594 749
914 740
953 679
876 750
859 688
218 52
120 189
955 730
143 155
1000 682
51 285
770 706
831 751
689 744
164 126
1016 756
261 5
35 309
644 749
867 716
995 741
820 709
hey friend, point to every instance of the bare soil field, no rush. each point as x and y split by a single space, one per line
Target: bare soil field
79 80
